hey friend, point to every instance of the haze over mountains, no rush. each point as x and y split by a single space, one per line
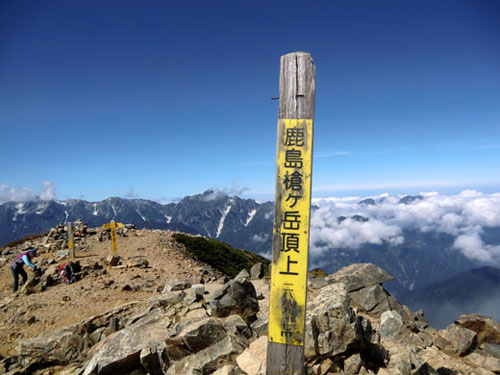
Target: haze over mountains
420 240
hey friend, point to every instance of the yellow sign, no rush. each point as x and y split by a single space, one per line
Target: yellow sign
291 231
113 227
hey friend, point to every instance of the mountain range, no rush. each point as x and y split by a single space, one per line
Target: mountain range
422 259
243 223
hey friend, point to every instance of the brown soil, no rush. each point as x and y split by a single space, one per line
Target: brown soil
27 316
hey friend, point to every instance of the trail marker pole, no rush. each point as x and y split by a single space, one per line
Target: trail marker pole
71 236
287 307
112 225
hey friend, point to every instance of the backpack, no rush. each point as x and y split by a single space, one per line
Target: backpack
66 273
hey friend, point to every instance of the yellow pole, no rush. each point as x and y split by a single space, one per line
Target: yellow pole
71 239
113 238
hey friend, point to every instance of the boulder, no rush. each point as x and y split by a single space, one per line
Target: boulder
492 350
154 359
484 361
330 323
235 297
199 289
487 329
391 325
253 360
121 351
243 275
359 275
62 346
210 359
257 271
175 284
192 337
400 364
456 339
373 299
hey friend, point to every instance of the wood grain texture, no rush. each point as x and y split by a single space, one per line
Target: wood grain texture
297 94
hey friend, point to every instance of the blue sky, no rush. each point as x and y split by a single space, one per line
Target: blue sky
159 100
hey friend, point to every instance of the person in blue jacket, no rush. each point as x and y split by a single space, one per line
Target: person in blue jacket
17 266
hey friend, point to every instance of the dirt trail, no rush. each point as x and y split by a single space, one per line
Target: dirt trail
27 316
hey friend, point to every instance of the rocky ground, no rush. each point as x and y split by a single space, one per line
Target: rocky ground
148 260
176 316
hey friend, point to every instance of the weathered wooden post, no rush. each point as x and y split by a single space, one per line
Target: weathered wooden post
71 236
287 309
112 225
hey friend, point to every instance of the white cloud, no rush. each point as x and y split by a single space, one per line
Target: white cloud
16 193
47 191
260 238
464 216
24 193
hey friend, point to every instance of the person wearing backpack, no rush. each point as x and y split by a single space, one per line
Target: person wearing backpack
17 266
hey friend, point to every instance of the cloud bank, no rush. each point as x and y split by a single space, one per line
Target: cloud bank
25 193
351 222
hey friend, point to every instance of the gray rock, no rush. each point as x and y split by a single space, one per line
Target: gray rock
191 297
174 297
371 299
243 275
480 360
175 284
154 359
194 337
330 323
493 350
359 275
400 364
257 271
316 283
236 297
210 359
391 325
121 351
62 346
487 329
456 339
260 326
199 289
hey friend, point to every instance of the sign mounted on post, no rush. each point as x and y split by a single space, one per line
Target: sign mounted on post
71 238
287 306
289 273
113 227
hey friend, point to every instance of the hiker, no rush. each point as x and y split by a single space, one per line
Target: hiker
18 263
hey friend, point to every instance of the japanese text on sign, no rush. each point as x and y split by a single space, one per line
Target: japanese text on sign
291 232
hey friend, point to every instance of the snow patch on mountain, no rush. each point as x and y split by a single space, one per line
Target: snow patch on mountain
251 214
223 218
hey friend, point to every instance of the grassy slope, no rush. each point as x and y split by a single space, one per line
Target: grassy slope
220 255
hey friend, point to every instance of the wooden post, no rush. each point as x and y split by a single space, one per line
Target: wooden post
112 225
71 236
287 307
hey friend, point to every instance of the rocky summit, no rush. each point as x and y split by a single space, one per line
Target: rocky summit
158 309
